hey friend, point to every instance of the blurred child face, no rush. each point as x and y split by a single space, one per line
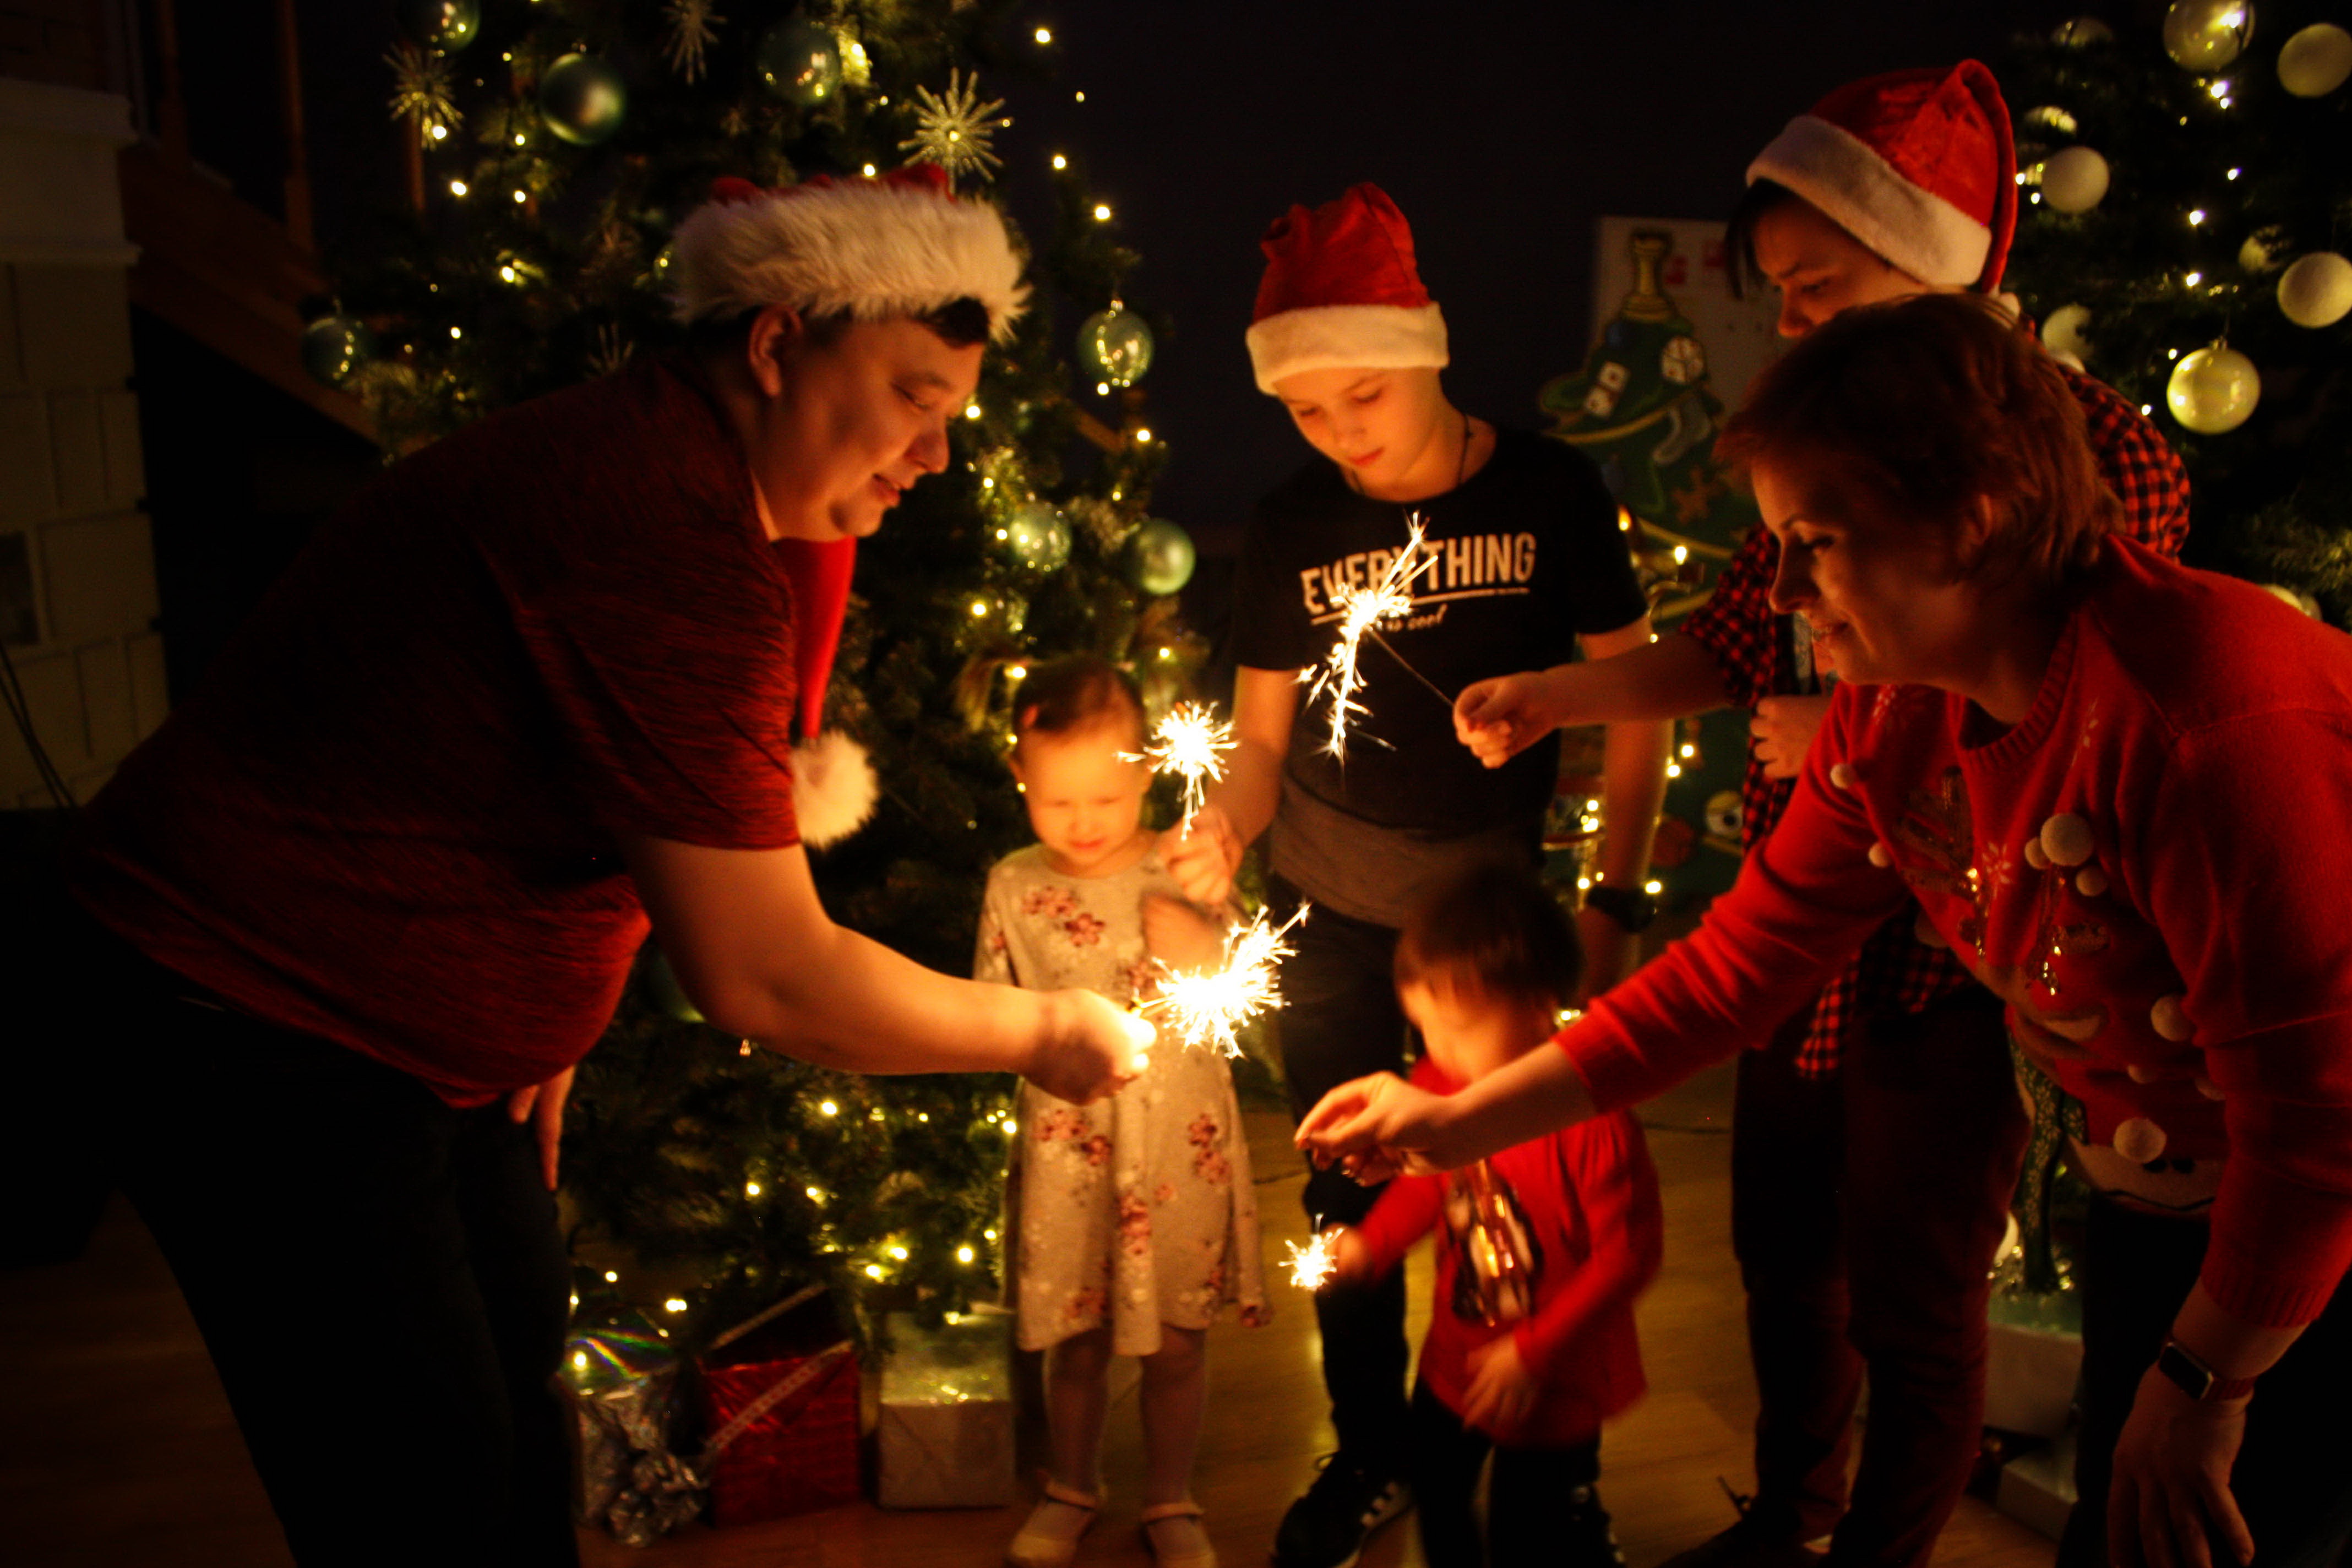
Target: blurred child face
1377 425
1819 270
1470 1033
1084 802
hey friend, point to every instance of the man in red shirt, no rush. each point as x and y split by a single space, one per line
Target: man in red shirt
359 906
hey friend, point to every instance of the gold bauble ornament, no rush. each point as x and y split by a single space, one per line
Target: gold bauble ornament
2074 181
2207 35
2316 61
2213 389
2317 291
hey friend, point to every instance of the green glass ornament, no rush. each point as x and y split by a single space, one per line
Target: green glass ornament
443 25
1115 345
799 62
1158 557
2207 35
334 346
1038 536
583 98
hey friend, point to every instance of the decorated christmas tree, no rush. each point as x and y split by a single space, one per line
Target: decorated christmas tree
2187 205
552 148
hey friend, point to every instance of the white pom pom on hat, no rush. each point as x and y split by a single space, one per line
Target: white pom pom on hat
834 787
1341 291
901 244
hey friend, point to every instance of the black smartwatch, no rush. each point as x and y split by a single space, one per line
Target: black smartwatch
2196 1380
1632 908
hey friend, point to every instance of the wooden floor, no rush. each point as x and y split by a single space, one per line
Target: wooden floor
117 1448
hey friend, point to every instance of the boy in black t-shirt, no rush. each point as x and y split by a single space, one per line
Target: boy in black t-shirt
1522 559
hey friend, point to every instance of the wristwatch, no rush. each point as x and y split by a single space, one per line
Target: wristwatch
1632 908
2196 1380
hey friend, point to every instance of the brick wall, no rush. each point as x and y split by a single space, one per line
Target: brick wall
61 41
70 478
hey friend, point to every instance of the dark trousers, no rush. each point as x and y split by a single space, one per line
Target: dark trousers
2293 1478
1866 1211
379 1278
1541 1505
1340 1021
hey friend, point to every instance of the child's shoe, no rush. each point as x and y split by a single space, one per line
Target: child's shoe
1173 1530
1050 1537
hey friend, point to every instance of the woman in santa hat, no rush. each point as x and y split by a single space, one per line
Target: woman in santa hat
1522 558
352 913
1877 1132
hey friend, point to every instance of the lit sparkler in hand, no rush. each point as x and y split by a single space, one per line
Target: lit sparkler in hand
1361 611
1191 742
1311 1266
1210 1006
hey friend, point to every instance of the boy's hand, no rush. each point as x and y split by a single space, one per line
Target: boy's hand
1180 935
1202 854
1499 717
1502 1389
1783 731
1352 1260
1090 1048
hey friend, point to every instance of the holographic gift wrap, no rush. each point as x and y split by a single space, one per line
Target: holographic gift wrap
622 1375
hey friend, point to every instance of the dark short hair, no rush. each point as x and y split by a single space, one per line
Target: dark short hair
1495 930
1740 234
1912 412
1075 691
959 323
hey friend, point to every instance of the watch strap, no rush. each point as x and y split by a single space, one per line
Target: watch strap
2194 1378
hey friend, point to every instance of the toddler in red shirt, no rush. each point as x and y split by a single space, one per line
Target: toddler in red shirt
1541 1248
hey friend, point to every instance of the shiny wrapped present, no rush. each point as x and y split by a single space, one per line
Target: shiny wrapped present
945 1439
622 1375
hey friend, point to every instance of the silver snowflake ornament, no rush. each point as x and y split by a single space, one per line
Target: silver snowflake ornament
954 129
693 27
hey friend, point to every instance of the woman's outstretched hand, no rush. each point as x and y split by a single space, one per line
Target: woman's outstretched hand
1376 1127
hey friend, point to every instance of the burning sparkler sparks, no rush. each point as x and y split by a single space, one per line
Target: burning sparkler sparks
1361 611
1311 1266
1190 742
1210 1006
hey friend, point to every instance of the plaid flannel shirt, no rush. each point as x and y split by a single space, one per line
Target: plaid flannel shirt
1757 653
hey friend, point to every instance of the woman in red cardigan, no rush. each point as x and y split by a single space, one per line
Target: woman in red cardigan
2116 788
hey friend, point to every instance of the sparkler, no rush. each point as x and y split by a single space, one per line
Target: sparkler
1190 742
1310 1266
1360 612
1210 1006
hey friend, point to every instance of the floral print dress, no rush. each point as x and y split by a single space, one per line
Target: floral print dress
1135 1210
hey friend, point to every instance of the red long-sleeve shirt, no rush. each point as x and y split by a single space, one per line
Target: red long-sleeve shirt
1590 1195
2149 868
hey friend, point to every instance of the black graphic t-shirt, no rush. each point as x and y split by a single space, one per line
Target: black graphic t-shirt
1517 562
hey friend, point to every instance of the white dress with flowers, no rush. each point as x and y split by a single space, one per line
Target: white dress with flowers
1135 1210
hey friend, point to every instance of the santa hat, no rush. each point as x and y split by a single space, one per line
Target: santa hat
834 788
1340 289
900 245
1916 164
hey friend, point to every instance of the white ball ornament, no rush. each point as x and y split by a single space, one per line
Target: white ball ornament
2264 250
2207 35
2066 839
2317 291
2075 180
2316 61
2213 389
2141 1140
2063 332
2169 1019
2295 596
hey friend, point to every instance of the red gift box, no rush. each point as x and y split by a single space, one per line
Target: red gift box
783 1427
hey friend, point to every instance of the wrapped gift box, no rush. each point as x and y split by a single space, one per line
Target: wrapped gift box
2032 1360
2037 1490
621 1374
945 1433
782 1416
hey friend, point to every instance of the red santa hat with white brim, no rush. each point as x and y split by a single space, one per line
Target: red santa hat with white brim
1916 164
1341 291
870 249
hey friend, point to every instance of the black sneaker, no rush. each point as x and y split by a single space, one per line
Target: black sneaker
1328 1526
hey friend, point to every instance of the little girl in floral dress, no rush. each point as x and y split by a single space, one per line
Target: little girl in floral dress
1131 1221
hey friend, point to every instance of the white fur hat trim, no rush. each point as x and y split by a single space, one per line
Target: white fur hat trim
1365 337
834 788
869 249
1863 194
